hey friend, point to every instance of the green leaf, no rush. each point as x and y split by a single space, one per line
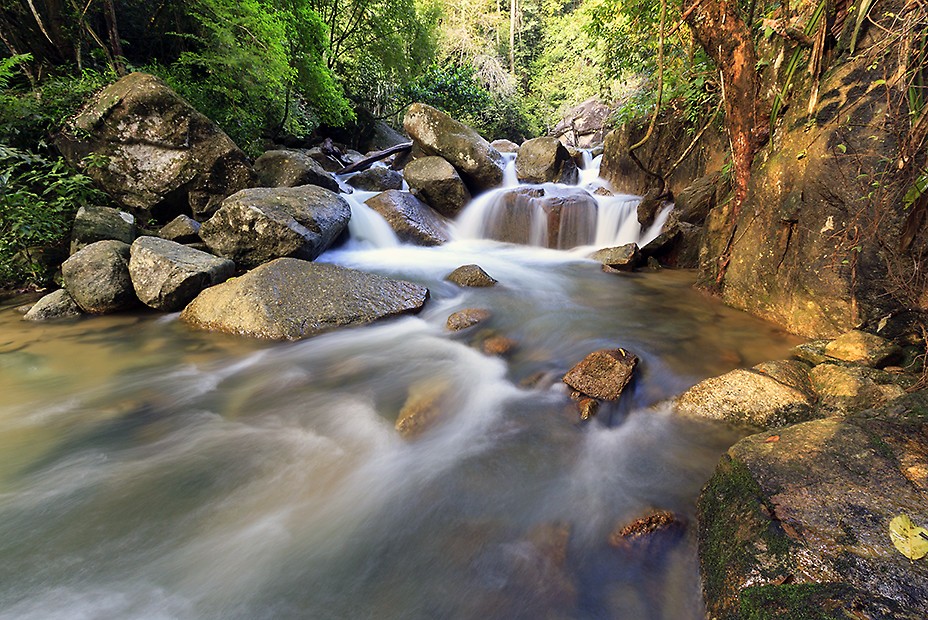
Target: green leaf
910 539
915 192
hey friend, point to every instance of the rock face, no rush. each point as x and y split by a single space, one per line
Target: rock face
56 305
584 125
411 219
436 182
797 523
436 133
162 157
622 258
97 277
545 160
167 275
261 224
377 179
470 275
92 224
603 374
292 299
284 168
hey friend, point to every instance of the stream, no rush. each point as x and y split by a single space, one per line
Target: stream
150 470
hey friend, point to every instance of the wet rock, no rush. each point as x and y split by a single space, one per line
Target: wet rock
436 182
468 317
471 275
423 408
325 158
650 205
261 224
291 299
545 160
539 569
677 246
746 397
56 305
812 352
505 146
97 277
411 219
480 165
602 191
376 179
587 408
569 216
862 348
162 157
167 275
853 388
182 229
284 168
497 345
92 224
796 523
603 374
644 531
623 258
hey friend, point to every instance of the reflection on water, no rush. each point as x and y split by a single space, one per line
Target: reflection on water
151 471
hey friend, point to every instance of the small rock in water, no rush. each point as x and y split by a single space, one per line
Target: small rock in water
498 345
862 348
645 530
603 374
468 317
470 275
422 409
588 407
622 258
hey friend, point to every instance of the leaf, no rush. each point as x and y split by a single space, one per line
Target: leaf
772 439
910 539
841 148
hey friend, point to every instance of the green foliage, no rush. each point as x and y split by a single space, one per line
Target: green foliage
38 200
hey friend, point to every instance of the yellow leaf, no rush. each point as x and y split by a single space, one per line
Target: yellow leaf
910 539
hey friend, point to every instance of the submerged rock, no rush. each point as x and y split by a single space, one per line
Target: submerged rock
468 317
436 133
92 224
261 224
603 374
55 305
167 275
498 345
423 408
97 277
545 160
411 219
471 275
291 299
436 182
376 179
646 530
284 168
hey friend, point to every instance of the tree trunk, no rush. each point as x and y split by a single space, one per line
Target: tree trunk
513 7
119 63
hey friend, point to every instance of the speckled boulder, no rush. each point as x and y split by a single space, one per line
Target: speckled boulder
603 374
436 182
92 224
56 305
97 277
412 220
284 168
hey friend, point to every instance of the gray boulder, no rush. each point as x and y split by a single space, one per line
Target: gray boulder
283 168
261 224
376 179
505 146
585 125
167 275
291 299
436 133
56 305
411 219
92 224
436 182
97 277
182 229
162 157
545 160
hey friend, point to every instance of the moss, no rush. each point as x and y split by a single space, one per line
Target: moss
807 601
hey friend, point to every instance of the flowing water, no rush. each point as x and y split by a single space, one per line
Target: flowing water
148 470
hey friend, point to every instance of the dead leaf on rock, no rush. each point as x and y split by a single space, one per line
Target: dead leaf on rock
772 439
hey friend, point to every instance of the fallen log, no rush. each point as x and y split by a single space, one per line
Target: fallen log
375 157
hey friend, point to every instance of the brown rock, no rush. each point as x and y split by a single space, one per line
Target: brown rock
284 168
603 374
545 160
412 220
470 275
498 345
645 530
862 348
623 258
436 182
588 407
423 408
468 317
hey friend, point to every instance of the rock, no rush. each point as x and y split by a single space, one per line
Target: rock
468 317
423 408
291 299
793 373
569 217
585 125
746 397
677 245
693 203
622 258
412 220
644 531
376 179
650 205
796 524
56 305
436 182
545 160
261 224
325 158
162 157
182 229
167 275
284 168
92 224
587 408
471 275
505 146
812 352
602 374
97 277
853 388
862 348
497 345
480 165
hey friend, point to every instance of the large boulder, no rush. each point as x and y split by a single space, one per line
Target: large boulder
97 277
558 219
584 125
167 275
436 182
376 179
413 220
160 156
261 224
436 133
603 374
285 168
56 305
92 224
797 524
545 160
291 299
